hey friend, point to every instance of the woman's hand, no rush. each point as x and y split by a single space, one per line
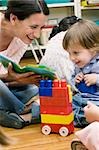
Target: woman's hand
90 79
15 79
91 112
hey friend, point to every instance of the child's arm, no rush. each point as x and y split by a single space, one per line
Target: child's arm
91 112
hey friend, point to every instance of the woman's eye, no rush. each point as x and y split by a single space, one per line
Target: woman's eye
33 27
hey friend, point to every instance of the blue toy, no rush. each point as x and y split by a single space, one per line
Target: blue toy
82 87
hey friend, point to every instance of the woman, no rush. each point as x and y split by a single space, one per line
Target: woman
21 23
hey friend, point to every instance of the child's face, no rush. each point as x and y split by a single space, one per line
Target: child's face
80 56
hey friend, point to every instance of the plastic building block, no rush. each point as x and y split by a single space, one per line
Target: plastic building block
45 88
62 110
57 119
82 87
63 130
56 107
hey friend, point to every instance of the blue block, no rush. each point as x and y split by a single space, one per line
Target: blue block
86 89
45 88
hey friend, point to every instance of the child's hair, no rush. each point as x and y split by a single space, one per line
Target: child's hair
24 8
85 33
63 25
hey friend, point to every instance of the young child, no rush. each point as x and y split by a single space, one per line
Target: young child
88 138
81 41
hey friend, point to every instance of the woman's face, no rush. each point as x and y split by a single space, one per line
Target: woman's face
29 28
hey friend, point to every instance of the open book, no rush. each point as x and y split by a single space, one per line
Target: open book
37 69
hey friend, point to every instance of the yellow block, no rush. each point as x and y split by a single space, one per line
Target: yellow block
57 119
70 93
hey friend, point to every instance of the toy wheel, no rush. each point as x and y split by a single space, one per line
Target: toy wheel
46 129
63 131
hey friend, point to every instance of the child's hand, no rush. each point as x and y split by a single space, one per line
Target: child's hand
90 79
79 77
91 112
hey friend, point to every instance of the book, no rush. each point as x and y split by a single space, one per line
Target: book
37 69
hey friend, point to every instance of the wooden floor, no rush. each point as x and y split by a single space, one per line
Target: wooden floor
31 138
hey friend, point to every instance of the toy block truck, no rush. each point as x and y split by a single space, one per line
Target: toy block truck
56 107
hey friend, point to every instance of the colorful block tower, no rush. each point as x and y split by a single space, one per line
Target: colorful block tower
56 107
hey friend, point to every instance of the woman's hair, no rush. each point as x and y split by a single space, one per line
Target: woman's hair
63 25
85 33
24 8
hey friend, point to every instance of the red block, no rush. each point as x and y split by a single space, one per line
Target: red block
56 110
54 101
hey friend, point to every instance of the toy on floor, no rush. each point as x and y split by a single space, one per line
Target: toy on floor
56 107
